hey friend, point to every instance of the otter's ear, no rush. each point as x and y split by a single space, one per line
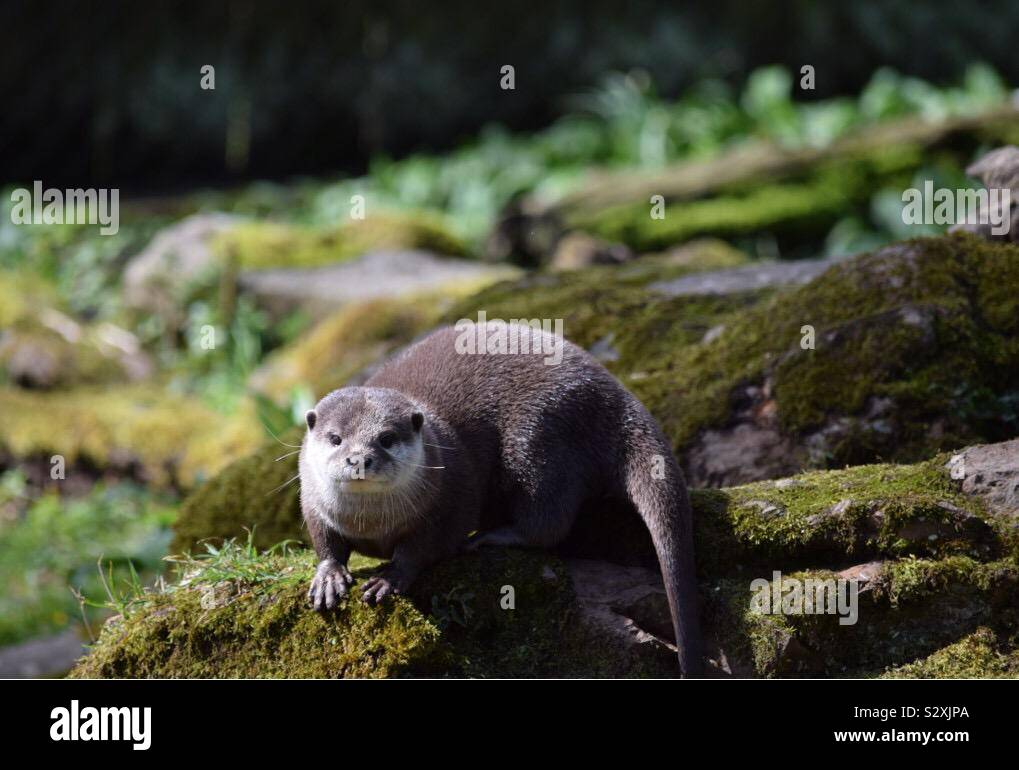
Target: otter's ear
311 417
416 421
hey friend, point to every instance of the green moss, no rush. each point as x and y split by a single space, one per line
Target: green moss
85 361
611 304
240 615
805 203
348 341
927 326
250 628
258 492
980 655
860 512
263 245
162 437
21 294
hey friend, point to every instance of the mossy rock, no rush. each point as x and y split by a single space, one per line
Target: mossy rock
258 492
908 610
34 354
980 655
21 295
256 245
801 207
866 512
934 564
794 194
141 430
915 352
246 616
349 341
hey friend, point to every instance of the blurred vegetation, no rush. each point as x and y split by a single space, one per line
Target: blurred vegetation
50 545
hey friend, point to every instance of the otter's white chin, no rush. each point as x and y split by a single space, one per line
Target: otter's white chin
363 486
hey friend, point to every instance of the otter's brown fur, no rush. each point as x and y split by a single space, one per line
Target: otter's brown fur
509 445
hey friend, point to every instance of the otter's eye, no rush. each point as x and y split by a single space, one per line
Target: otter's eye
387 440
335 440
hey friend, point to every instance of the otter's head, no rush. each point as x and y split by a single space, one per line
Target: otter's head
365 441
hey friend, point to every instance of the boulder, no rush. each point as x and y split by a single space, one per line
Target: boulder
390 275
204 252
141 431
930 562
49 349
180 257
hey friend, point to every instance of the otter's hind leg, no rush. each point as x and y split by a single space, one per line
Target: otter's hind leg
539 521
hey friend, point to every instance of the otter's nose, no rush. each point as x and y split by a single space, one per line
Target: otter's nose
364 460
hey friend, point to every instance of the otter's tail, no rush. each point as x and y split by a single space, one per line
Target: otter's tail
654 484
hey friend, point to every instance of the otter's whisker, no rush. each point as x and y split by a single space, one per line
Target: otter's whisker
288 454
284 484
278 439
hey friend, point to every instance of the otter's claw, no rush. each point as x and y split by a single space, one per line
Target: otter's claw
331 582
377 588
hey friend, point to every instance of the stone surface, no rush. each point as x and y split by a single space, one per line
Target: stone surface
377 274
739 279
45 656
179 255
991 472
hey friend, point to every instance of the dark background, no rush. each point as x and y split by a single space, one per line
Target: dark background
107 92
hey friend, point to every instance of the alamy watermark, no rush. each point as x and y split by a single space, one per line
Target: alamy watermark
807 596
91 723
73 206
944 206
517 336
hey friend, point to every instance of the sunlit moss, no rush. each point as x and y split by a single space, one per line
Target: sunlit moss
354 337
981 655
245 616
264 244
163 437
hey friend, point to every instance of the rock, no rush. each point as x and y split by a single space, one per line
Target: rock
626 606
159 278
575 251
376 275
602 349
998 170
51 350
577 615
453 624
990 472
742 279
141 431
47 656
865 575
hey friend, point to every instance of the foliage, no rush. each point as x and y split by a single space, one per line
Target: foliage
50 545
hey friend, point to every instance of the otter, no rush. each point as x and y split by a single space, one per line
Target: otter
442 450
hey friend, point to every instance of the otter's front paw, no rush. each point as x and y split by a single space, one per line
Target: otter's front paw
330 584
378 587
